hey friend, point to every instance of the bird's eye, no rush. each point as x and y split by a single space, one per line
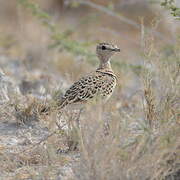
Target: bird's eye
103 47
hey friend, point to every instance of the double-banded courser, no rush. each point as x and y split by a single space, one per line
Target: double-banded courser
99 83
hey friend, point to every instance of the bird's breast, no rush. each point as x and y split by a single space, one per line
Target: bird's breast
108 88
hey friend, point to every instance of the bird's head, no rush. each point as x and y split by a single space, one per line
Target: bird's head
105 51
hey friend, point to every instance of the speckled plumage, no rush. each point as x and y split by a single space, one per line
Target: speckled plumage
99 83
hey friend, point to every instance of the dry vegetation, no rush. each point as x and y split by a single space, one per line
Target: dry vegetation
44 49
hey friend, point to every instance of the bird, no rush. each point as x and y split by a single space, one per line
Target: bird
97 84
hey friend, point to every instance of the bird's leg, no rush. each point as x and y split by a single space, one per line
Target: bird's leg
59 115
78 117
72 135
106 126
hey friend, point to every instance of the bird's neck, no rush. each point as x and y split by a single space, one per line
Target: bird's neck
105 65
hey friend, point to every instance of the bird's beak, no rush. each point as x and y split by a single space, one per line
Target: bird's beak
115 49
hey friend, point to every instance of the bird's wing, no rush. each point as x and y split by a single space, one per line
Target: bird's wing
86 88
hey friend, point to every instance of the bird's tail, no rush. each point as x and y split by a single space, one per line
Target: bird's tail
53 105
46 108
